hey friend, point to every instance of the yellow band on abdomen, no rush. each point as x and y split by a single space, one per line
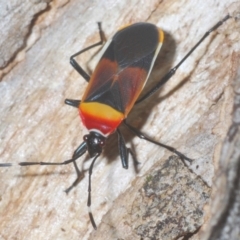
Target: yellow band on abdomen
100 116
100 110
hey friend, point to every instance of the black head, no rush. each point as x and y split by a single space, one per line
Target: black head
95 143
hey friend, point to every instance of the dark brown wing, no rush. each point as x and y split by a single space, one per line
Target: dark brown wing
124 67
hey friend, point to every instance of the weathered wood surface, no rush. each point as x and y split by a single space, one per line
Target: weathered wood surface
193 113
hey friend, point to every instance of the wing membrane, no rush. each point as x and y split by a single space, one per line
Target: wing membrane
123 69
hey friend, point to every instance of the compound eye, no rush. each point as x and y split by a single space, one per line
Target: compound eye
101 143
85 138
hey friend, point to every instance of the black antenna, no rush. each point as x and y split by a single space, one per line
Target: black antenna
5 164
89 194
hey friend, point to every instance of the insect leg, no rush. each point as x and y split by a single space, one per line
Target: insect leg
72 102
173 70
77 153
171 149
78 68
73 62
124 151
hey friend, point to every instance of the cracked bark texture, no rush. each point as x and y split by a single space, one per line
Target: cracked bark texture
225 203
196 112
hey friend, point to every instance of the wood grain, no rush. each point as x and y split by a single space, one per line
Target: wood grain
192 112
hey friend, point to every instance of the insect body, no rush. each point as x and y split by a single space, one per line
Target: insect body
118 80
114 88
120 77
